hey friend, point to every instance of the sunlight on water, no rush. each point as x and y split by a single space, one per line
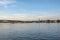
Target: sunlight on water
30 31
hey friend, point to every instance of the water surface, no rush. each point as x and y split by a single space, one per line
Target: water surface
30 31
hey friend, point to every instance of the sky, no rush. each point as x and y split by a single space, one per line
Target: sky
29 9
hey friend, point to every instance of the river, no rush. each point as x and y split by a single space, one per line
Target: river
30 31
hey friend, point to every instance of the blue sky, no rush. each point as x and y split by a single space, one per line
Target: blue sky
30 7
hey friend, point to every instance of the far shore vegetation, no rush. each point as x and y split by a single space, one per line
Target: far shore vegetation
39 21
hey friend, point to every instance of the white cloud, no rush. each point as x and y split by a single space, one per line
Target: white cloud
19 17
24 16
5 3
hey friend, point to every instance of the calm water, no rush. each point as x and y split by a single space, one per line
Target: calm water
30 31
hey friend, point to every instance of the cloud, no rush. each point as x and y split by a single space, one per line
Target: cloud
5 3
19 17
24 16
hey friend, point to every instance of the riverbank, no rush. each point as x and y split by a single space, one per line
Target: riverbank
39 21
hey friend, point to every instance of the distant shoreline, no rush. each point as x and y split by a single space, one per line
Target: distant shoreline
39 21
